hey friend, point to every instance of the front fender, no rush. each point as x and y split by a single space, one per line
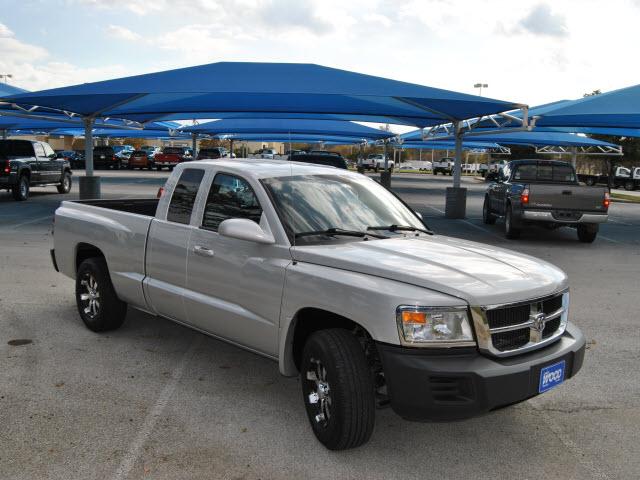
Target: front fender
369 301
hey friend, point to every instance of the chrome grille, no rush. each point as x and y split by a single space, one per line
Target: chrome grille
505 330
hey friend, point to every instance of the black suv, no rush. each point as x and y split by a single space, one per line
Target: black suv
25 163
106 157
330 159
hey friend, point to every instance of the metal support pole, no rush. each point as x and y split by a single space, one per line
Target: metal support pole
574 156
457 164
230 148
385 176
88 146
89 184
194 144
456 200
4 134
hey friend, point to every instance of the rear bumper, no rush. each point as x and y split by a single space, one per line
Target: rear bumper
441 386
8 181
540 216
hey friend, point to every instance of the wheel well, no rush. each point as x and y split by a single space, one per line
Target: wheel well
26 172
84 251
310 320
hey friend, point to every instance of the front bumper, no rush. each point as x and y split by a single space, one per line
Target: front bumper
438 385
542 216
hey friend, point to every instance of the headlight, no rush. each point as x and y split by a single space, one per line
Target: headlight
434 326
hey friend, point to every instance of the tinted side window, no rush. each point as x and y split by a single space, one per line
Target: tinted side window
184 196
230 197
38 149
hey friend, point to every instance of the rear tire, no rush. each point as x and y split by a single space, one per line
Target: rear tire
510 231
487 216
337 389
65 185
629 186
98 305
587 232
159 168
20 190
590 181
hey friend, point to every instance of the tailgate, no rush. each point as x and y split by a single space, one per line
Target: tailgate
566 197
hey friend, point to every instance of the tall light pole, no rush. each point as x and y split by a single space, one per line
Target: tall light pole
481 86
6 77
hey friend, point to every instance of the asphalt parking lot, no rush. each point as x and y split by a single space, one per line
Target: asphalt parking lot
157 400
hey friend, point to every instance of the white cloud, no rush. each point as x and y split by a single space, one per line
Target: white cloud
526 51
32 67
122 33
542 21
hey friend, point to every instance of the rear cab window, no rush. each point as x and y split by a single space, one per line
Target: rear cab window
230 196
16 148
184 196
545 173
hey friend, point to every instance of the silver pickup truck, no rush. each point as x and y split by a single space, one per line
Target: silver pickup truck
335 278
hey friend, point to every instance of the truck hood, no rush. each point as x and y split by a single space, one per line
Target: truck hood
478 273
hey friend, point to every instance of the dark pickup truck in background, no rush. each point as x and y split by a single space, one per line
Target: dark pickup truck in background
25 164
547 193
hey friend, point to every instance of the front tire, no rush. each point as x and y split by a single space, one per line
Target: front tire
590 181
65 185
98 305
20 191
337 389
587 232
487 217
510 231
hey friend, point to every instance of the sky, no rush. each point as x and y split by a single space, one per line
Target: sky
527 51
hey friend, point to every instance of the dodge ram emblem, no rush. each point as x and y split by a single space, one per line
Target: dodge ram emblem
538 322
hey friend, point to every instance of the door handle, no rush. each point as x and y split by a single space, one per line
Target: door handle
203 251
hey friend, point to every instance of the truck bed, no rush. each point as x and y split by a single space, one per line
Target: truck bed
117 229
567 197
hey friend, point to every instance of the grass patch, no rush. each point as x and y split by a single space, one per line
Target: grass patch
629 198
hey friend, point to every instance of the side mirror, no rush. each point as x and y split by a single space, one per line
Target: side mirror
245 229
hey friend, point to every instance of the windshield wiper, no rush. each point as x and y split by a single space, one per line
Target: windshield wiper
401 228
339 231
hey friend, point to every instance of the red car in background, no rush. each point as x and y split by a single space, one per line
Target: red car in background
171 156
140 159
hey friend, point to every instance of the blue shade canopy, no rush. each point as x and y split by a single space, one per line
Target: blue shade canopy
289 126
522 138
293 138
10 122
115 133
6 90
448 145
616 109
263 87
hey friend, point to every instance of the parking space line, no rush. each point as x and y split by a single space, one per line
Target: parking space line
133 453
609 239
29 222
477 227
581 457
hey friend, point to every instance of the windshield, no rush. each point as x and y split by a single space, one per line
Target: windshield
309 203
